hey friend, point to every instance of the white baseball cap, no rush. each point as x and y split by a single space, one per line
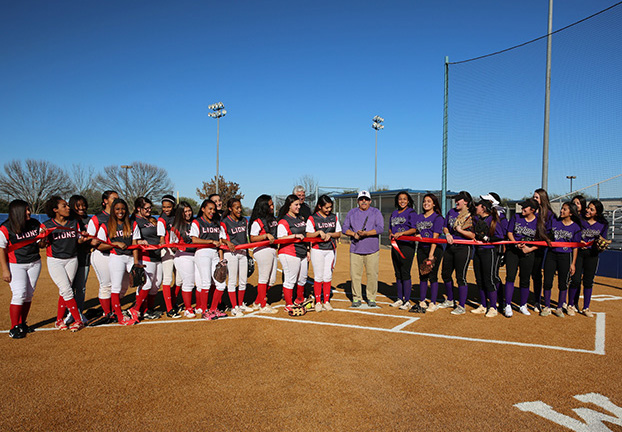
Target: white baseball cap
364 194
490 198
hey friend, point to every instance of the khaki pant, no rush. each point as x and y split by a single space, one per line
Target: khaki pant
370 262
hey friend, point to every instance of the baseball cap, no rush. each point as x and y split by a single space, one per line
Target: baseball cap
463 195
530 202
364 194
489 197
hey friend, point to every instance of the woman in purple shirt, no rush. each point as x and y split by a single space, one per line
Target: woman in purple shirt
402 222
565 228
545 214
592 227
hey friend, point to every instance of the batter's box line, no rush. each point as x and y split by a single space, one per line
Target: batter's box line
599 337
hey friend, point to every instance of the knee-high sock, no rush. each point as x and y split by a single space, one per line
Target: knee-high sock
140 298
73 310
233 299
408 288
482 297
400 289
449 290
423 290
216 299
492 297
317 291
463 291
524 296
288 293
241 293
115 301
509 292
501 294
166 293
300 293
262 291
151 300
25 310
106 305
587 297
60 309
15 311
326 291
187 297
571 296
433 292
562 298
547 298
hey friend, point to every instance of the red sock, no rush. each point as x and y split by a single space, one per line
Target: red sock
140 298
187 297
317 291
177 289
233 299
25 310
73 309
327 291
216 299
151 299
115 301
60 309
262 290
288 293
300 293
241 296
166 293
204 299
106 305
15 311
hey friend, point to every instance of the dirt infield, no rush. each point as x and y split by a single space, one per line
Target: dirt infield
363 369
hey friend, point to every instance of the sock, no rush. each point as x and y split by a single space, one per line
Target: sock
60 309
15 311
423 290
501 294
587 297
262 290
233 299
73 310
187 297
509 293
562 298
492 296
482 297
326 290
216 299
524 296
151 301
537 293
288 293
115 301
300 293
241 293
547 298
106 305
571 296
449 289
177 289
25 310
140 298
198 298
317 291
463 291
433 292
408 287
166 293
204 299
400 289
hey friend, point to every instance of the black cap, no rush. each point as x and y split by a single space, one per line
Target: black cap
530 202
463 195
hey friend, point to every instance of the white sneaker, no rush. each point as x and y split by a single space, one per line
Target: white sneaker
327 307
189 314
523 309
255 306
237 312
267 310
447 304
507 311
318 307
397 303
198 311
405 306
245 308
480 310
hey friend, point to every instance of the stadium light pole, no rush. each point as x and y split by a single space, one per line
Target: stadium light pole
571 178
377 124
218 111
547 102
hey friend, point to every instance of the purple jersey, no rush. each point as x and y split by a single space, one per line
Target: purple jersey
564 233
400 222
593 231
523 230
450 220
428 226
499 233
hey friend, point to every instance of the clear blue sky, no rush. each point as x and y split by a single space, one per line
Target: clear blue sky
110 82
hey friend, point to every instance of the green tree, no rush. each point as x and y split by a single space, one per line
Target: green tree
226 190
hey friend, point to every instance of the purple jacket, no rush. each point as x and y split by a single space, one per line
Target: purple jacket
371 219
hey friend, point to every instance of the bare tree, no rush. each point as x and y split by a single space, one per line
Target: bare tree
226 189
82 179
136 180
33 181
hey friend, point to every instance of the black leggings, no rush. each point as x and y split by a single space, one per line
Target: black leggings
515 259
456 258
561 262
486 268
422 254
586 266
402 266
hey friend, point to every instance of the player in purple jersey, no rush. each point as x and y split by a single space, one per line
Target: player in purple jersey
592 227
429 225
581 203
565 228
402 223
165 221
457 256
545 214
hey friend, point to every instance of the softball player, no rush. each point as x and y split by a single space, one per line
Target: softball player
118 231
581 203
233 232
429 225
100 257
323 223
293 257
565 228
62 259
146 226
205 229
592 227
457 256
545 215
20 267
184 257
77 207
402 222
165 221
263 227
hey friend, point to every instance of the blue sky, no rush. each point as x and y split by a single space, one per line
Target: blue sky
103 83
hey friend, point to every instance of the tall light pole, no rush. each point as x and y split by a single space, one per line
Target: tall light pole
547 102
218 112
127 169
571 178
377 124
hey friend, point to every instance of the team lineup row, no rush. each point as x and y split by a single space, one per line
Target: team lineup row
74 242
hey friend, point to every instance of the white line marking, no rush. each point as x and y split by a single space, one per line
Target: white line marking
599 344
398 328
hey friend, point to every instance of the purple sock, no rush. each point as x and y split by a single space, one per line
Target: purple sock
400 289
423 290
524 296
463 291
547 298
571 294
501 293
433 292
587 297
509 293
408 287
562 298
537 293
449 289
492 296
482 297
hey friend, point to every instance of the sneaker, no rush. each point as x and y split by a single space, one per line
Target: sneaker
267 310
209 316
26 328
245 308
327 306
356 304
588 313
17 332
318 307
397 303
237 312
559 312
219 313
173 314
479 311
134 315
198 311
299 302
189 313
289 308
372 304
459 310
432 307
255 306
523 309
571 310
76 326
492 312
417 308
446 304
507 311
60 325
545 311
128 322
537 308
150 314
405 306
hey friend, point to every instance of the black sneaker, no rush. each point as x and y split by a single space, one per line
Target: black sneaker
150 314
372 304
417 308
356 304
17 332
173 314
27 328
